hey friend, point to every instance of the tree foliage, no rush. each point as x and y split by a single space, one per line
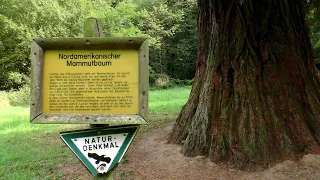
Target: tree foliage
21 21
171 27
313 18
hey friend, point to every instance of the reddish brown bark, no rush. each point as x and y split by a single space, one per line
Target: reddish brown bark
256 95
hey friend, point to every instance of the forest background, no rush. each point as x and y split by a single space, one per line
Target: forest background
171 27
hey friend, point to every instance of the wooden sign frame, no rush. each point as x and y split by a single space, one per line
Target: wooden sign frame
38 49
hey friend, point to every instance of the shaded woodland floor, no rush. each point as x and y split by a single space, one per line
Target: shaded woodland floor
151 157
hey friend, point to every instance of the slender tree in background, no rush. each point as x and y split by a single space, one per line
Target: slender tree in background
314 23
256 95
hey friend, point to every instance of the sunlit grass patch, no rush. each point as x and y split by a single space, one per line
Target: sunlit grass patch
30 151
35 151
169 101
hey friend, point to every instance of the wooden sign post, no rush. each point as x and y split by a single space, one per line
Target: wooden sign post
92 80
89 81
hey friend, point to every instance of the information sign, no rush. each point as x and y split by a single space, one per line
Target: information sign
100 149
89 81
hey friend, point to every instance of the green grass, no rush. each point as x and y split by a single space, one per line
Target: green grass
169 101
29 151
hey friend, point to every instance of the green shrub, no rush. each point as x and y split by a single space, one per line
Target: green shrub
12 80
180 83
20 97
4 101
152 76
172 83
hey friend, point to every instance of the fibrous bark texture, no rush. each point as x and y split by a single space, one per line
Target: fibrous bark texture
256 95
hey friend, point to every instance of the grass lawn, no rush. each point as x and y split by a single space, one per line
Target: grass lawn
168 101
31 151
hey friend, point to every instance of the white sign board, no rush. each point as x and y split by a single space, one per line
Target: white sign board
100 149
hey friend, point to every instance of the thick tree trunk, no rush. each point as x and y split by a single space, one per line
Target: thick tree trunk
256 95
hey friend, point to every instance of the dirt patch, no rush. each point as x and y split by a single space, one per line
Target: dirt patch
77 171
151 157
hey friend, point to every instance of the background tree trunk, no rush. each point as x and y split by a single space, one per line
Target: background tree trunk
256 95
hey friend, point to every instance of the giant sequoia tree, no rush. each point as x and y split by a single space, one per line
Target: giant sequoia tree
256 95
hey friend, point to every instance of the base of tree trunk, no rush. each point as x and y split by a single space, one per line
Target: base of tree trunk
256 94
